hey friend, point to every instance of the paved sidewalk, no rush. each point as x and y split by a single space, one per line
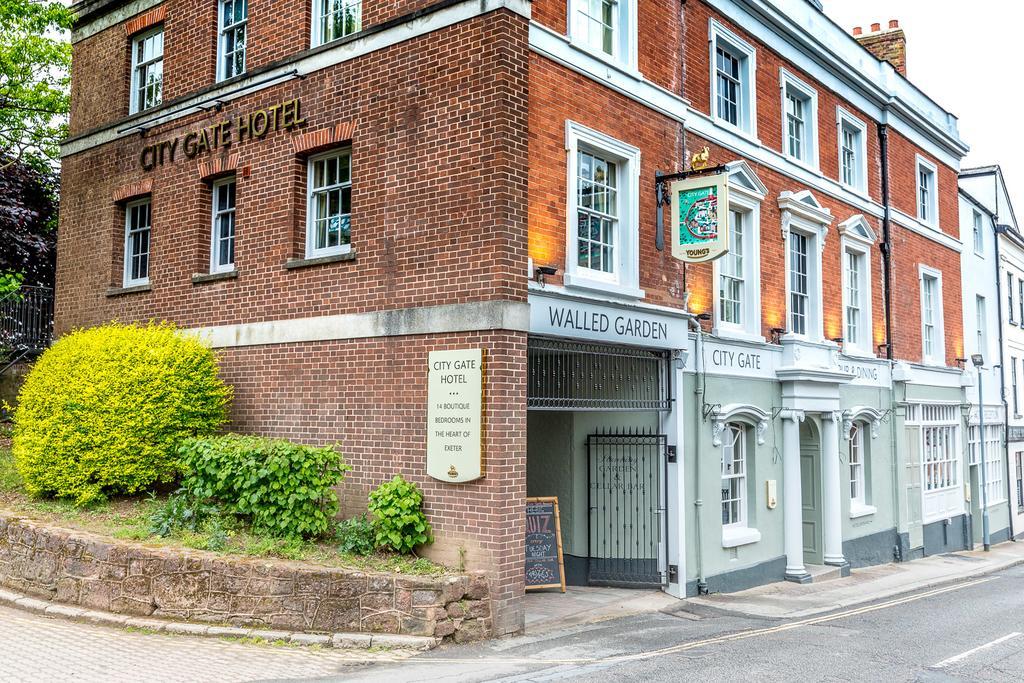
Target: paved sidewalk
553 610
786 600
35 648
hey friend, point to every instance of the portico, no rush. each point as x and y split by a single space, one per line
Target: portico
810 394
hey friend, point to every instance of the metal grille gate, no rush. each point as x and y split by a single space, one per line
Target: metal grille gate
627 543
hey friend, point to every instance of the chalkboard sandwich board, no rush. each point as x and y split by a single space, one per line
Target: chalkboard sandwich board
544 568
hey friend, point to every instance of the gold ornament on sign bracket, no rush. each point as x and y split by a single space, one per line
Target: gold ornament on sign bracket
699 161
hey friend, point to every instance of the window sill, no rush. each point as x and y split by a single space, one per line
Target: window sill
748 135
737 335
202 278
862 511
293 263
134 289
855 352
574 281
614 61
732 538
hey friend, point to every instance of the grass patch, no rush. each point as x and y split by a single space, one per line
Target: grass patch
129 519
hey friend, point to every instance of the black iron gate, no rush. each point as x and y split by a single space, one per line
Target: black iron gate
626 482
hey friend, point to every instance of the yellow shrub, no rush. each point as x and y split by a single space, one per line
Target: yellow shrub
103 410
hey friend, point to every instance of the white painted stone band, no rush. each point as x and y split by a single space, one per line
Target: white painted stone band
447 319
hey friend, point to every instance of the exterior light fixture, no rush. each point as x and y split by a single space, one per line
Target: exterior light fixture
977 359
777 333
703 316
542 271
961 362
883 347
839 341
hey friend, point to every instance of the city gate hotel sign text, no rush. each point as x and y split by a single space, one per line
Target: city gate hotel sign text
231 130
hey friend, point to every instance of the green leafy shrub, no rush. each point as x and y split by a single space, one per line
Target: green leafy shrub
399 522
180 512
283 489
356 536
104 409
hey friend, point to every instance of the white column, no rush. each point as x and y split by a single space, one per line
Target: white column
832 489
792 496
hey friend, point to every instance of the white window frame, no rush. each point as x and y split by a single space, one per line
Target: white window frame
927 214
857 237
624 282
1014 392
216 214
133 102
858 468
803 214
750 421
995 488
981 322
222 38
127 279
979 232
746 118
317 38
939 345
746 193
845 119
790 84
1009 296
624 42
943 422
311 250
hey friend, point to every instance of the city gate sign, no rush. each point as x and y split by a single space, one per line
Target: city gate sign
700 218
238 129
455 401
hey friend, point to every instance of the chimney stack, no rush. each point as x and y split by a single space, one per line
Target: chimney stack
889 45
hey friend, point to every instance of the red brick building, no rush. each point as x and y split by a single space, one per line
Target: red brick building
329 191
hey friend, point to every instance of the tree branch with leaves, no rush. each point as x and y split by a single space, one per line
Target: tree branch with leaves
35 60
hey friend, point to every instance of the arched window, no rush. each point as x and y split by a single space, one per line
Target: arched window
734 476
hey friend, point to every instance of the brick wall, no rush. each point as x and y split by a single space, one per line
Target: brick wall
439 208
438 205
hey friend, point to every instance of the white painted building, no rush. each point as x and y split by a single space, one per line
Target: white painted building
988 225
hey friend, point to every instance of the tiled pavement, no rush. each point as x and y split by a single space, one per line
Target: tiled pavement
37 648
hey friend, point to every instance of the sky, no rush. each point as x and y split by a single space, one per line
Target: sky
968 62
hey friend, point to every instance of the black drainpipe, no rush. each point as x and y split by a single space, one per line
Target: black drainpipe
883 142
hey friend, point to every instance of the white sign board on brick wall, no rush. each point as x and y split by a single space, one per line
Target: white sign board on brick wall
455 401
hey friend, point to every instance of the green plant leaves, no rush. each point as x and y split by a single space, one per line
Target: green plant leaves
399 522
283 489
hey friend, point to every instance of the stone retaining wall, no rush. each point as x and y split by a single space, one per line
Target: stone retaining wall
77 568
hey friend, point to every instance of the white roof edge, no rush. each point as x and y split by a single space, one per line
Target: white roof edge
822 39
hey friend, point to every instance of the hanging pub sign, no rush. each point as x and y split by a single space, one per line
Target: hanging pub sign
699 226
455 401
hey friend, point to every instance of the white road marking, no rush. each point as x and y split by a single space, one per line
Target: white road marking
964 655
691 645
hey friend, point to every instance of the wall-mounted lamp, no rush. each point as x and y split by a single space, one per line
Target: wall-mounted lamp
882 348
777 333
977 359
703 316
541 271
679 358
839 341
960 362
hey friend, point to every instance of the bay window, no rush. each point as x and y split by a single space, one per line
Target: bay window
995 491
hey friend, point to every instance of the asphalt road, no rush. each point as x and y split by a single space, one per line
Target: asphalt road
967 631
970 631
